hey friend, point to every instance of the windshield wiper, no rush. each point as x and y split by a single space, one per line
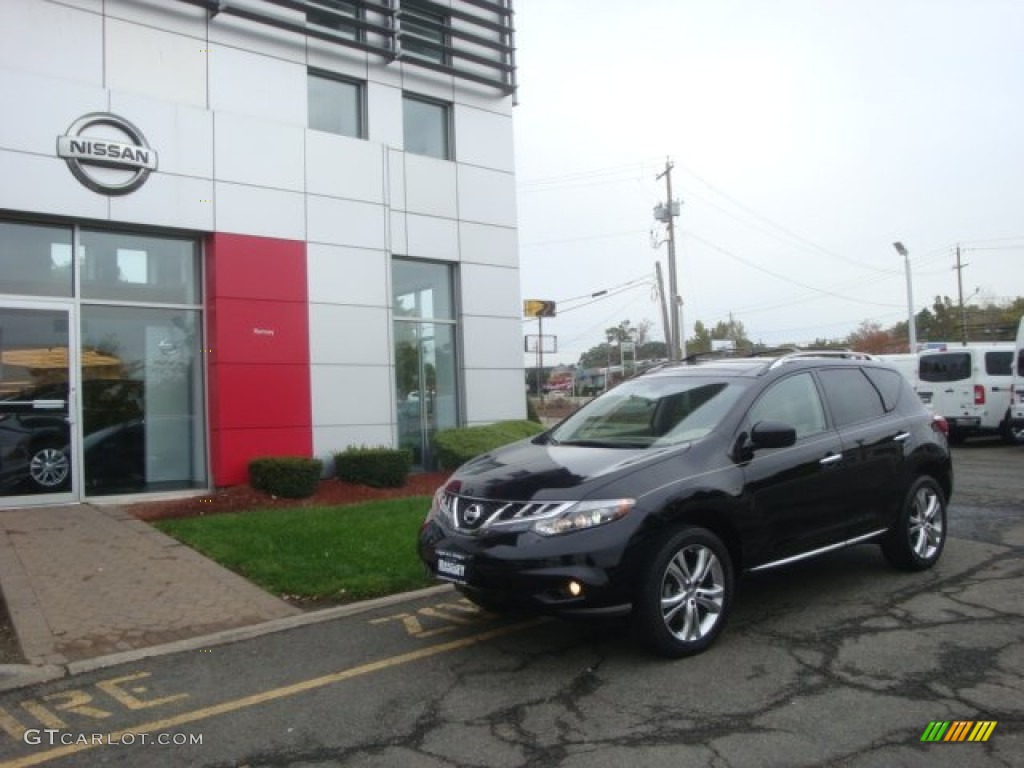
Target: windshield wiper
602 444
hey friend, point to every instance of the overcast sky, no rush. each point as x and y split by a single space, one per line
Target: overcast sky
807 136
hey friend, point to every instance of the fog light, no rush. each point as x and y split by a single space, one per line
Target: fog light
575 588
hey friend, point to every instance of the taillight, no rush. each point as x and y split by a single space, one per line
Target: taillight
979 394
939 424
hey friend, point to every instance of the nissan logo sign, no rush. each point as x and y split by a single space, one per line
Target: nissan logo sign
107 154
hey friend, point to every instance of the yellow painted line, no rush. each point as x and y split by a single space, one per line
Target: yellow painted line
274 694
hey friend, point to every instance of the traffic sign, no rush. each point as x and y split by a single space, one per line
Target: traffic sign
538 308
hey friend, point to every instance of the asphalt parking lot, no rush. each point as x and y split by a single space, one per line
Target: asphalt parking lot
839 661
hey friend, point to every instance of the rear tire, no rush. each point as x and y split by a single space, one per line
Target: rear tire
686 594
1011 435
916 540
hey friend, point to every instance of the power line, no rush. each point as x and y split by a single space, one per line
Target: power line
785 279
789 233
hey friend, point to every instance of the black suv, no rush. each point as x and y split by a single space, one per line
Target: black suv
654 496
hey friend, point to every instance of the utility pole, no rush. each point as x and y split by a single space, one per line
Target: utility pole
540 358
960 290
667 214
664 309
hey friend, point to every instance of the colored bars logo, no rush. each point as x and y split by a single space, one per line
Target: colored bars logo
958 730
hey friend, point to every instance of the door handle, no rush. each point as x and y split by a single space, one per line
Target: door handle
831 459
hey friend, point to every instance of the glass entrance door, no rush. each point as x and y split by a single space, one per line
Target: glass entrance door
36 408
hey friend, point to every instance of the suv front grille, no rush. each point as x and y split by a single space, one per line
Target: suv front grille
469 515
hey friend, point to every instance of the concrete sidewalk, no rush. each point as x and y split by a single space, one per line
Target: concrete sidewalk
83 581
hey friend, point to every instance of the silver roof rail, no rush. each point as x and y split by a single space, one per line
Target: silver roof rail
835 354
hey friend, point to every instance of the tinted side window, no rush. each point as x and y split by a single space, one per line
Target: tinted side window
999 363
952 366
793 401
852 398
888 383
1020 363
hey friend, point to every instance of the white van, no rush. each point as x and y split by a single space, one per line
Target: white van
905 363
1017 388
970 387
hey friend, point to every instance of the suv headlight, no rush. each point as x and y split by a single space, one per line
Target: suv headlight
586 514
439 508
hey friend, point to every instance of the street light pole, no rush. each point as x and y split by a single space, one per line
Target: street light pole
911 322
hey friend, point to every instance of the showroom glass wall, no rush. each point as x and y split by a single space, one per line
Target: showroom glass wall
115 318
426 380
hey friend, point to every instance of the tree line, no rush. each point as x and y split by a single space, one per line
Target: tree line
943 321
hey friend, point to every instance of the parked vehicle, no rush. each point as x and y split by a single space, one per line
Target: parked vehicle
35 431
907 364
970 387
1017 388
654 497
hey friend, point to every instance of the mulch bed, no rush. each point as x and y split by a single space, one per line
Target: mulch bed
241 498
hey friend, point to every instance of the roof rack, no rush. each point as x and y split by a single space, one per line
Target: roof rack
838 354
783 355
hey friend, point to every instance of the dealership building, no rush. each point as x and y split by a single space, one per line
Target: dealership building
241 228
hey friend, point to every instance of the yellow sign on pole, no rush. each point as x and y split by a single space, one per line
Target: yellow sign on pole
538 308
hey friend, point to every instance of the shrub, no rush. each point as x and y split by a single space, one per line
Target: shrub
379 467
293 477
457 446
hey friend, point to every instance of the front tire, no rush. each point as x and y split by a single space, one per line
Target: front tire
916 540
686 594
491 602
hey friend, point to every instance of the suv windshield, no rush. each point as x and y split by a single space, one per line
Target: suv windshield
655 412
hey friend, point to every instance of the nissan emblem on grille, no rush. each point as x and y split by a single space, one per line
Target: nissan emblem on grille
473 514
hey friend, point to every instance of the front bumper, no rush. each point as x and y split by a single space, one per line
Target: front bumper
586 571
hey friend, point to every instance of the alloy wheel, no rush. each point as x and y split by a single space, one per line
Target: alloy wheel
692 593
49 467
926 523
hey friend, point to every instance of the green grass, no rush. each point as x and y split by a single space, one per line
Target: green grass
341 553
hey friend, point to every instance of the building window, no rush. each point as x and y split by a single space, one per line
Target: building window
426 369
112 376
35 259
334 15
117 266
335 105
423 33
427 126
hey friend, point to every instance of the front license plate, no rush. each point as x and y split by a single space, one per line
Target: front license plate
452 567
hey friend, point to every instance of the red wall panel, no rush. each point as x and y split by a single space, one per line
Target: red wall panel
260 331
256 268
264 396
257 320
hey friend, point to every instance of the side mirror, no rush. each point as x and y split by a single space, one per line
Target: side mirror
772 434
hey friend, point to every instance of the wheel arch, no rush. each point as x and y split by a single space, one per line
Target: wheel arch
713 516
942 474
